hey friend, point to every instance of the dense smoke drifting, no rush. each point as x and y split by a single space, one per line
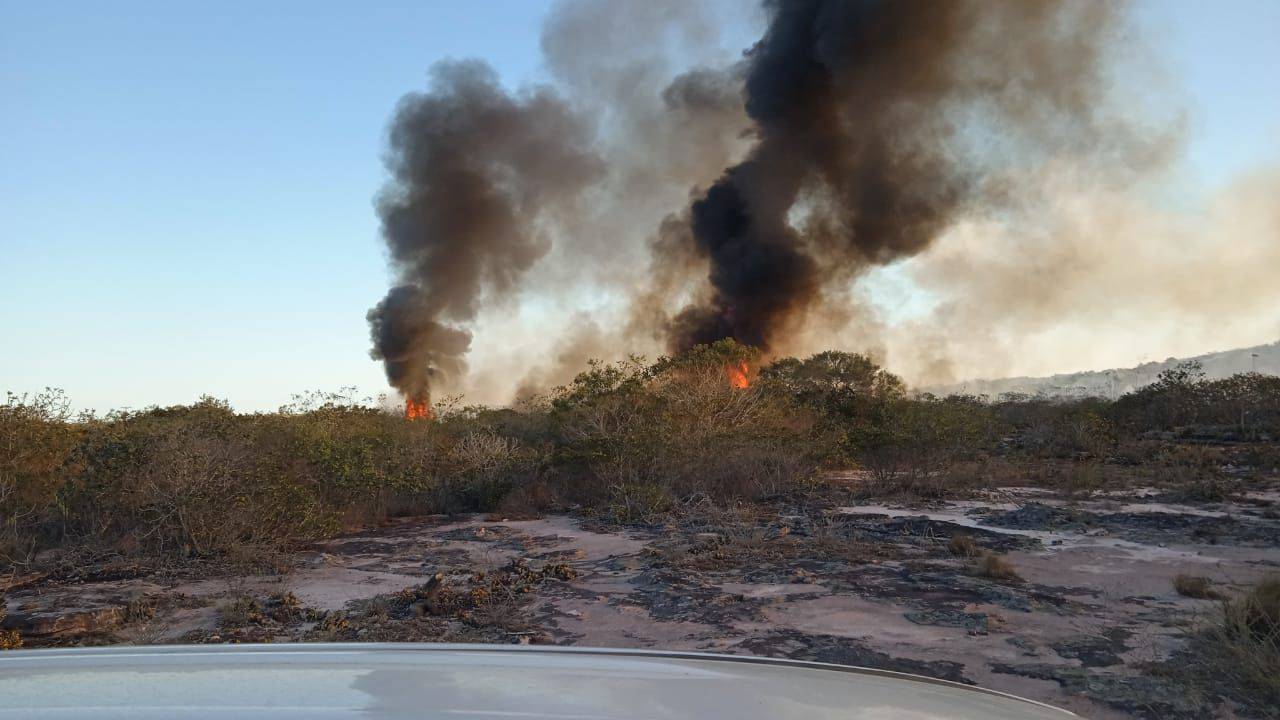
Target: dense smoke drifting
475 172
1101 279
665 190
862 111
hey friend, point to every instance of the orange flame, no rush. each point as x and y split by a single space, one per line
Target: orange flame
737 373
417 409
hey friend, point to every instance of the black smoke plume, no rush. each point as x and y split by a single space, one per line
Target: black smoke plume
475 172
854 133
866 116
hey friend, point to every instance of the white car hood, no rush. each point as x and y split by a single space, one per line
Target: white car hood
476 682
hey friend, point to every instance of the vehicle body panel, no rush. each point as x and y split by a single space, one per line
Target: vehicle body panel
472 681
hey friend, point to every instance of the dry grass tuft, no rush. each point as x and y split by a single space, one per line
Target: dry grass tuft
964 546
240 612
995 567
1242 647
9 639
1195 586
1259 611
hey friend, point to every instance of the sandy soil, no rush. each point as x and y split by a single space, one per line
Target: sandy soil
870 585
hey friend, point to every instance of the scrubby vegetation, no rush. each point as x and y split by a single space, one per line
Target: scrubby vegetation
964 546
9 639
1195 586
1235 653
629 441
990 565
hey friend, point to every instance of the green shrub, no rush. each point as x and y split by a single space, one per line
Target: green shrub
1181 396
921 439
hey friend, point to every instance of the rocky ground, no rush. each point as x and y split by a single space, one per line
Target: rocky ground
1067 601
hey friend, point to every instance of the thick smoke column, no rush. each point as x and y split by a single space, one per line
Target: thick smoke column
1008 148
475 174
865 115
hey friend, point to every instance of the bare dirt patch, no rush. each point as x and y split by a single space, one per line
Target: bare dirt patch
1088 622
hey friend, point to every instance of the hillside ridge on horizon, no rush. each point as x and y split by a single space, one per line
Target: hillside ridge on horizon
1114 382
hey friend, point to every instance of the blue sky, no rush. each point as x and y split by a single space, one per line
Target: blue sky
186 188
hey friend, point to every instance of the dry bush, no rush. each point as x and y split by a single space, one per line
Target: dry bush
684 433
1080 479
482 467
1262 456
632 439
964 546
1247 405
1198 487
36 457
1138 452
525 502
240 612
1195 586
915 445
201 480
1197 456
995 567
643 503
1240 648
740 536
959 481
1053 428
9 639
830 540
1259 610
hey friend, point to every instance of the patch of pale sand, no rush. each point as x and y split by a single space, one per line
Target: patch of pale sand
423 536
602 624
333 588
594 545
82 597
1142 570
1165 509
331 583
956 517
1045 691
1020 490
323 588
883 627
1267 495
1143 491
607 584
853 617
1055 541
167 628
757 591
1101 507
482 555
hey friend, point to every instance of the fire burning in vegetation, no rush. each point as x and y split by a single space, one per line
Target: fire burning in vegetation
417 409
737 373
